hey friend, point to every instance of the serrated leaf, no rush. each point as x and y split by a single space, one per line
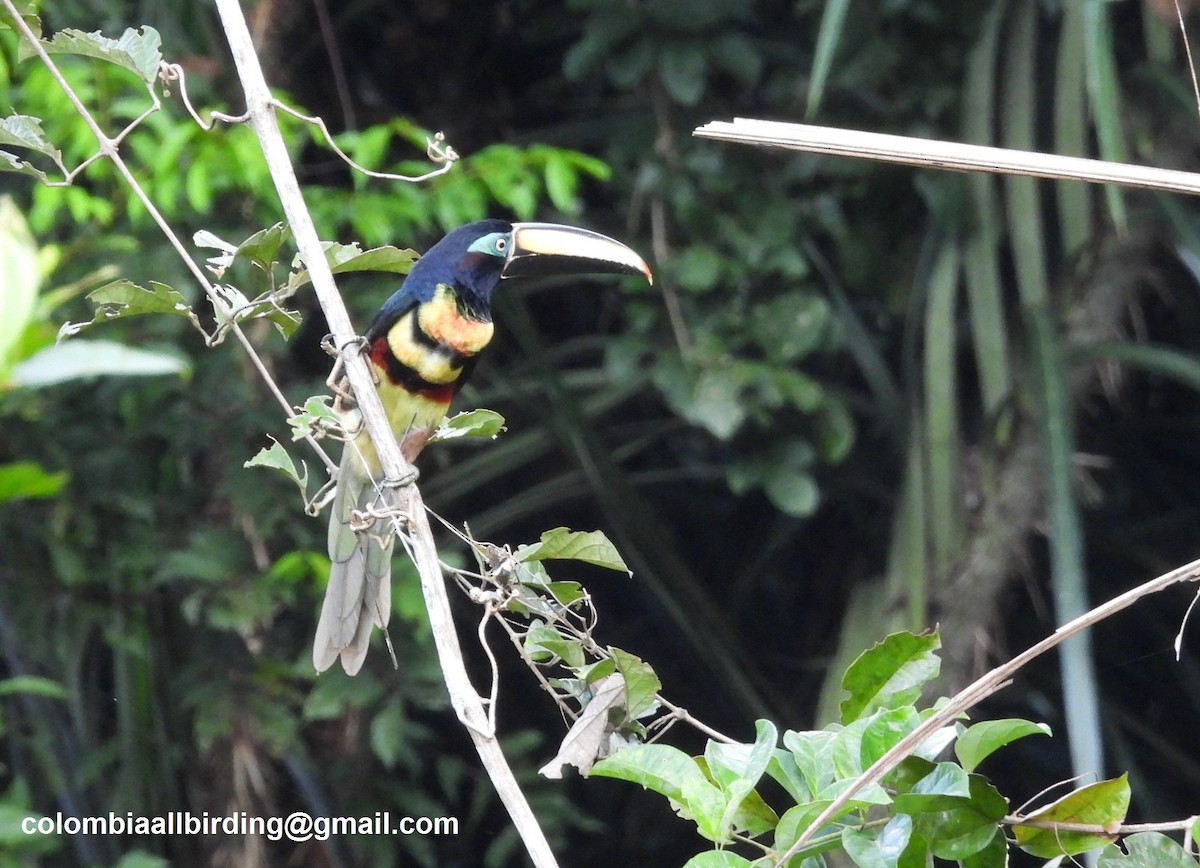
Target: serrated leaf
641 683
27 9
344 258
470 423
976 742
135 51
276 457
1146 850
1101 804
23 131
890 674
121 298
77 360
591 547
12 163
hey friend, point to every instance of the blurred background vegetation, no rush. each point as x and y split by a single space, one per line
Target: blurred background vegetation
858 398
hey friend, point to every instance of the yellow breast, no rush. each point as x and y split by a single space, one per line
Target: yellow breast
448 338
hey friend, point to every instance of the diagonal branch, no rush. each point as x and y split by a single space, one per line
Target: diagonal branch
463 696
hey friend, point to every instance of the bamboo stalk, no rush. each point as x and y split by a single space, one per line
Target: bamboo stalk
932 153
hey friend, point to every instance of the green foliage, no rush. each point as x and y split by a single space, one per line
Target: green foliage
921 810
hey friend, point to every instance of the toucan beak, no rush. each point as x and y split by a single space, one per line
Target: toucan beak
547 248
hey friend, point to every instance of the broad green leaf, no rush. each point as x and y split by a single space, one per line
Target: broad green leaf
19 276
795 821
882 850
1146 850
81 359
135 51
12 163
388 732
641 684
470 423
28 479
793 492
979 740
33 685
783 770
544 643
1101 804
718 859
890 674
666 770
813 754
708 806
591 547
1196 830
737 768
945 788
968 828
994 855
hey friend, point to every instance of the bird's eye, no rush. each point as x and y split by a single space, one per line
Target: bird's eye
501 244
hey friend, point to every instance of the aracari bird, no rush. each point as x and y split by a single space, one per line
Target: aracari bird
423 344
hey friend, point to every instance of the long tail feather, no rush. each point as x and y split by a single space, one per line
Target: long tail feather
360 588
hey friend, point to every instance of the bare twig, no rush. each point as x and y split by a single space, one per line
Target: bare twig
945 155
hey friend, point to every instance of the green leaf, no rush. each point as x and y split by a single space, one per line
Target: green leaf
316 417
859 745
81 359
544 643
1146 850
718 859
681 69
23 131
33 685
591 547
796 820
737 768
345 258
135 51
659 767
968 828
27 9
813 754
388 732
890 674
829 34
943 789
277 458
641 683
1102 804
882 851
793 492
28 479
783 770
121 298
994 855
470 423
976 742
19 277
1196 830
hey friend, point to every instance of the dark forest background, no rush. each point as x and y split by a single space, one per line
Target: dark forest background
827 420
